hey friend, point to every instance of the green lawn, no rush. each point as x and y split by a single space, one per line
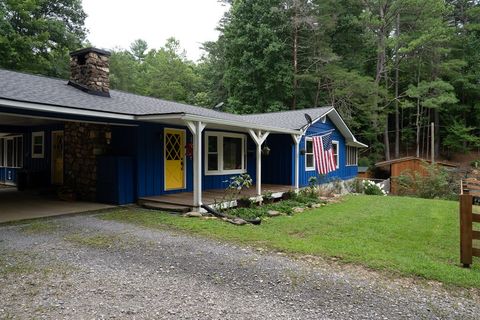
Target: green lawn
408 236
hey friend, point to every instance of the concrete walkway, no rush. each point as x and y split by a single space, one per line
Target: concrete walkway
15 205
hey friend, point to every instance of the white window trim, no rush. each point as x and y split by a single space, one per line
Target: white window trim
2 156
356 157
314 162
4 141
220 136
335 142
38 155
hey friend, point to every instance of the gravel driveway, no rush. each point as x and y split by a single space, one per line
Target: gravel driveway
81 267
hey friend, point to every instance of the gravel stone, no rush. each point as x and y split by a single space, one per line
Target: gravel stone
145 274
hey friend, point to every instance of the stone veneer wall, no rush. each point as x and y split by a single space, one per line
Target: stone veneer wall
83 142
91 70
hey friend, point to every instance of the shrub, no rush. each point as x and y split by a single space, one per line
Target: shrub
354 186
475 163
371 188
435 183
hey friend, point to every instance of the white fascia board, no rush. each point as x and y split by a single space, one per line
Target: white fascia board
63 110
160 117
247 125
356 144
342 127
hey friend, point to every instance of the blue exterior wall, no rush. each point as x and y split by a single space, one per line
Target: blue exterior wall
277 166
150 162
344 172
40 166
143 144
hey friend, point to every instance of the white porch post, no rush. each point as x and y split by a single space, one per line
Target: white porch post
296 140
259 138
196 128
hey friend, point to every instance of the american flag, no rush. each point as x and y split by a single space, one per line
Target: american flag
323 152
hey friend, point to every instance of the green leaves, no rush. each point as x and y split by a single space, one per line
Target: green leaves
433 94
163 73
36 35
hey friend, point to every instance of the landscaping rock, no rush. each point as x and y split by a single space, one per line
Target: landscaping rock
274 213
237 221
317 205
298 210
193 214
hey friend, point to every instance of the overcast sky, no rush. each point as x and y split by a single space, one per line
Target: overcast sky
117 23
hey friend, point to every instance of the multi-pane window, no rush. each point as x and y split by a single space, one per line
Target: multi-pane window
225 153
38 144
212 159
2 152
309 158
11 152
336 153
352 156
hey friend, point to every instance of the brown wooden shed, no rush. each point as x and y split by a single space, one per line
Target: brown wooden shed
413 164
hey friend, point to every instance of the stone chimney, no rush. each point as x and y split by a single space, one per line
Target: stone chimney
89 71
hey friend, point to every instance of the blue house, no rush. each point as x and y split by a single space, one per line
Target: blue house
115 147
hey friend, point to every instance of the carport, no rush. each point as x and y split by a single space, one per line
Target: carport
16 205
44 159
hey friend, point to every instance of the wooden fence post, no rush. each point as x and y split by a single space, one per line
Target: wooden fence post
466 233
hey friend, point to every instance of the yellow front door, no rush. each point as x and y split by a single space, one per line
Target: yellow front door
57 157
174 159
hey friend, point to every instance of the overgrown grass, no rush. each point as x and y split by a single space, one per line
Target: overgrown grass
94 241
39 226
15 265
403 235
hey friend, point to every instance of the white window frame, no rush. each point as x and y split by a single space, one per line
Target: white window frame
307 168
17 162
220 136
2 152
348 156
34 135
335 142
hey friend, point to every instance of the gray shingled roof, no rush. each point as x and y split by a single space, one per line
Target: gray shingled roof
287 119
44 90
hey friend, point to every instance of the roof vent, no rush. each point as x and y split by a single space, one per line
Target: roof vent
90 70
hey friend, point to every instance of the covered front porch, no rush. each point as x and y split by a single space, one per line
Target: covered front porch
184 201
220 150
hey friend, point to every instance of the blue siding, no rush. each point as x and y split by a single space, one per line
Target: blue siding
344 172
277 166
150 162
40 167
115 180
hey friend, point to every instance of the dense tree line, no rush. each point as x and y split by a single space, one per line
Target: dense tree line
390 67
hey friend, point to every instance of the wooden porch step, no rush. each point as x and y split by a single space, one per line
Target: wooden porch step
155 205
